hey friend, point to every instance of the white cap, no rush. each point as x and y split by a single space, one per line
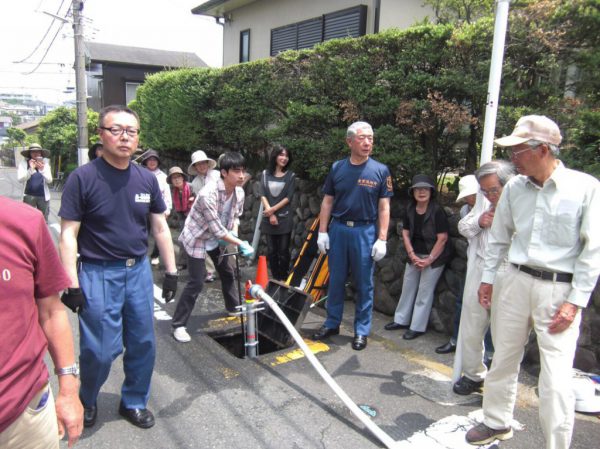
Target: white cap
467 185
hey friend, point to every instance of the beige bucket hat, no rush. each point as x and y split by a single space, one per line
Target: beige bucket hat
200 156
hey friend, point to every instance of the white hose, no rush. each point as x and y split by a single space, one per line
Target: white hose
256 291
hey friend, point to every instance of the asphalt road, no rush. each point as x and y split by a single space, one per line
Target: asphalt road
203 396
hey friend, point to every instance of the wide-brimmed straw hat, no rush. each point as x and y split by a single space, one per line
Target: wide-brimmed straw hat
200 156
36 147
532 127
467 185
175 171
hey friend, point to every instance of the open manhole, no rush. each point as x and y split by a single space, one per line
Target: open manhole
272 334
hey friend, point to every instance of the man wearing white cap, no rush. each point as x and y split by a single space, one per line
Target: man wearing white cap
467 193
543 223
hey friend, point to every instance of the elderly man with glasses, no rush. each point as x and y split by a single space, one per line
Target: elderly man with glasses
474 319
543 224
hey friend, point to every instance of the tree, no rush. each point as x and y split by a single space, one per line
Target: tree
16 137
458 11
58 133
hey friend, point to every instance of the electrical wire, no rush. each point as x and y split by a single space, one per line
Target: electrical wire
45 34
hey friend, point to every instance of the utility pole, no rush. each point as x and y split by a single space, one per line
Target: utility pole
491 110
80 85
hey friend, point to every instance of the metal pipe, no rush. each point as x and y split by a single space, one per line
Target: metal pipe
256 291
251 337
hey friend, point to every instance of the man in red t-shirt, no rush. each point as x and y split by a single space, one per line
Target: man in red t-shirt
33 319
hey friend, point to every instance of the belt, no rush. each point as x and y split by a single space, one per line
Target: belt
113 263
353 223
544 275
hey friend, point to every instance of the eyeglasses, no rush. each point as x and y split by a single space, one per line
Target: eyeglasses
513 154
492 191
118 131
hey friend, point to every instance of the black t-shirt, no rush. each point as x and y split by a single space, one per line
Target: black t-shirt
113 207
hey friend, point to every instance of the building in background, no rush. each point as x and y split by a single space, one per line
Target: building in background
114 72
256 29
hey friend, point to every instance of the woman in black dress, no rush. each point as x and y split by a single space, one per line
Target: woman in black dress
277 185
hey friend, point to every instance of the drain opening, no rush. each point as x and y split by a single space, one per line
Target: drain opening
234 344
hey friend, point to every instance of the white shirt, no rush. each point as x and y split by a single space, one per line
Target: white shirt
200 180
165 189
552 227
469 228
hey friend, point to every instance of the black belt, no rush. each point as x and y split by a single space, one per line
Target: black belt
113 263
353 223
544 275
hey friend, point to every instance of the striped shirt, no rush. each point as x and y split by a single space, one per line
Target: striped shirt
204 220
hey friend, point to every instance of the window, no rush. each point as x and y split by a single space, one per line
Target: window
130 91
245 46
351 22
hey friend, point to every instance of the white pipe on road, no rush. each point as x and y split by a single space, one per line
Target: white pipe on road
256 291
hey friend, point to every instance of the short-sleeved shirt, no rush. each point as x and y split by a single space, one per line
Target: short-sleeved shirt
112 206
30 269
357 189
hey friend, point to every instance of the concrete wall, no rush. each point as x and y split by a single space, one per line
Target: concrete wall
264 15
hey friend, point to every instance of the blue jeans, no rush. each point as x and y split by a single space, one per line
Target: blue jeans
118 312
350 250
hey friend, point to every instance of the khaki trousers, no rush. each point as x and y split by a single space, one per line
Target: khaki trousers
474 323
524 303
36 428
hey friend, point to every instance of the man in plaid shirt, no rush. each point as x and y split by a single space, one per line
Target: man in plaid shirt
210 226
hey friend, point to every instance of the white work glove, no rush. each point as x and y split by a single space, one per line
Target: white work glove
323 242
379 250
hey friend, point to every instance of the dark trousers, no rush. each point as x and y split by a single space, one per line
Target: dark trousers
40 203
197 271
278 255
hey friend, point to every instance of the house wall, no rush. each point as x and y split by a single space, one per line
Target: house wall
264 15
113 83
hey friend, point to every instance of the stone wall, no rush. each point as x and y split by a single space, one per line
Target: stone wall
389 271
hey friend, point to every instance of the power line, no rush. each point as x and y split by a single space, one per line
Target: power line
45 34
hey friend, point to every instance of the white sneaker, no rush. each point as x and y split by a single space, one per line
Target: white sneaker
181 335
154 261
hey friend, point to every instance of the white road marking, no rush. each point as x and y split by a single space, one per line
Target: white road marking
159 313
448 433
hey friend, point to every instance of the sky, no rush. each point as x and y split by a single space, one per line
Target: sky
159 24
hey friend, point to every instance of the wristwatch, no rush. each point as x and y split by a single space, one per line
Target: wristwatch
73 370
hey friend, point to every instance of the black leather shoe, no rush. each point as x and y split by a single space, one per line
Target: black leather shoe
359 343
446 349
411 335
141 417
393 326
89 416
325 332
466 386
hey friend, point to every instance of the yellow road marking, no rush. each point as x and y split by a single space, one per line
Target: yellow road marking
222 322
314 346
229 373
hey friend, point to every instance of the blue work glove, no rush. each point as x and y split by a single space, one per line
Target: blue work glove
246 249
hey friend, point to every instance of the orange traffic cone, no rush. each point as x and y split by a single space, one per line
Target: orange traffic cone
262 276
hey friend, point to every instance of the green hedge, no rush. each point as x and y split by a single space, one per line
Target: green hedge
423 89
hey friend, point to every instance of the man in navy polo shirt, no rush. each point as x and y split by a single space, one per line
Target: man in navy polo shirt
357 197
105 208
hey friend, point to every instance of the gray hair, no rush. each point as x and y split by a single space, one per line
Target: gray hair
533 144
503 169
353 129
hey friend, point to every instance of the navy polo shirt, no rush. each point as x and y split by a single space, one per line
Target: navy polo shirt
112 206
357 189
